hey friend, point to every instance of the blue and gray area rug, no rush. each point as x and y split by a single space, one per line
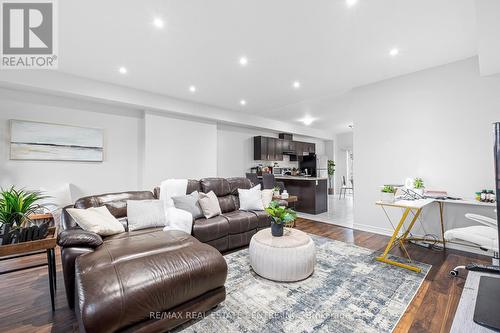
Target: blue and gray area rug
348 292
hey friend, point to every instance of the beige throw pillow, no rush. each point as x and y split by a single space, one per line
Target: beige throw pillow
96 219
209 204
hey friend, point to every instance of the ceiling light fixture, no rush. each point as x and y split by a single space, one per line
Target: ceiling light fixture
394 52
192 89
350 3
307 120
243 102
158 22
296 84
243 61
122 70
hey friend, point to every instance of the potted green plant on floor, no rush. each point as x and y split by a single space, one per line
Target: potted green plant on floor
331 171
418 186
281 215
388 193
16 206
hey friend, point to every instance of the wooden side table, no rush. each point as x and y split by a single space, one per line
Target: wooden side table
46 245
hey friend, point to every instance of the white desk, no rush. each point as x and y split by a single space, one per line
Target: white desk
415 207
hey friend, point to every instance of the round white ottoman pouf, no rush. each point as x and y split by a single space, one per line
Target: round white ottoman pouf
288 258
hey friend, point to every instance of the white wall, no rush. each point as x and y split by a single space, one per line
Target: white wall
118 171
178 148
235 149
435 124
141 148
343 142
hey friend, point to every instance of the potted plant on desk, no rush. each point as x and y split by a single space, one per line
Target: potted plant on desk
418 186
388 193
281 215
331 171
16 206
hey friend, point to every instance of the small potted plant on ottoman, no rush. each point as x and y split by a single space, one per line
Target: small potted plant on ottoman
388 193
281 215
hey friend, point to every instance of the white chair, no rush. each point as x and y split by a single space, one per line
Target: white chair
344 187
484 236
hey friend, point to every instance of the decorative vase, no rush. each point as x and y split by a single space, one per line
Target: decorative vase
419 191
276 229
387 197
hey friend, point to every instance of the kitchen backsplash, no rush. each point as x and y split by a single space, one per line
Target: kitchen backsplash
286 163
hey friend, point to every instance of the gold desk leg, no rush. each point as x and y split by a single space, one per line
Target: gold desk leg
442 223
383 257
415 217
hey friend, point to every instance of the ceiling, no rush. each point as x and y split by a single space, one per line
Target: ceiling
325 44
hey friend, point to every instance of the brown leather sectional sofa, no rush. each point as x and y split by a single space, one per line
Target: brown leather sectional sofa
123 278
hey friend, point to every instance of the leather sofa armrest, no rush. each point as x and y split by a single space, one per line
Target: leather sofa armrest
78 237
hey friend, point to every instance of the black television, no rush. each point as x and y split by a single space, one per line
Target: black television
487 308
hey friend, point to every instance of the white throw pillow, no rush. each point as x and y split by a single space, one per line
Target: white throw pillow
179 219
209 204
144 214
251 199
267 197
96 219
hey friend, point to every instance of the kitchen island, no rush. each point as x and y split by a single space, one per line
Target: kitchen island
312 193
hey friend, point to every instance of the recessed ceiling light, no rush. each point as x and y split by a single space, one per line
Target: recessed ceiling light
243 102
122 70
192 89
394 52
350 3
243 61
296 84
307 120
158 22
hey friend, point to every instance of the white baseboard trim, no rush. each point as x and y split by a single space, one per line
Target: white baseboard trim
324 220
371 228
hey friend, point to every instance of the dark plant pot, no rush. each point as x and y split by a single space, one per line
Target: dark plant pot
276 229
330 191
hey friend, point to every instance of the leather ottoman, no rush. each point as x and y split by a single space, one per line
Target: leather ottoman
151 282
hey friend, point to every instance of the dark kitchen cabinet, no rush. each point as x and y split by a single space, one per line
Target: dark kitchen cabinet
278 155
310 147
299 148
272 149
259 148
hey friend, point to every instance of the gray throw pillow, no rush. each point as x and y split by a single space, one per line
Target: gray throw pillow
189 203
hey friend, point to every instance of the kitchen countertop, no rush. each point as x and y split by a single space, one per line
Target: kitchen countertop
298 178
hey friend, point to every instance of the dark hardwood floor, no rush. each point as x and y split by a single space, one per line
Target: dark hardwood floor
25 301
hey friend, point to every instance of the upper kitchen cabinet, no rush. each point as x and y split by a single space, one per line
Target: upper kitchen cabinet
267 149
278 155
310 147
260 148
273 149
